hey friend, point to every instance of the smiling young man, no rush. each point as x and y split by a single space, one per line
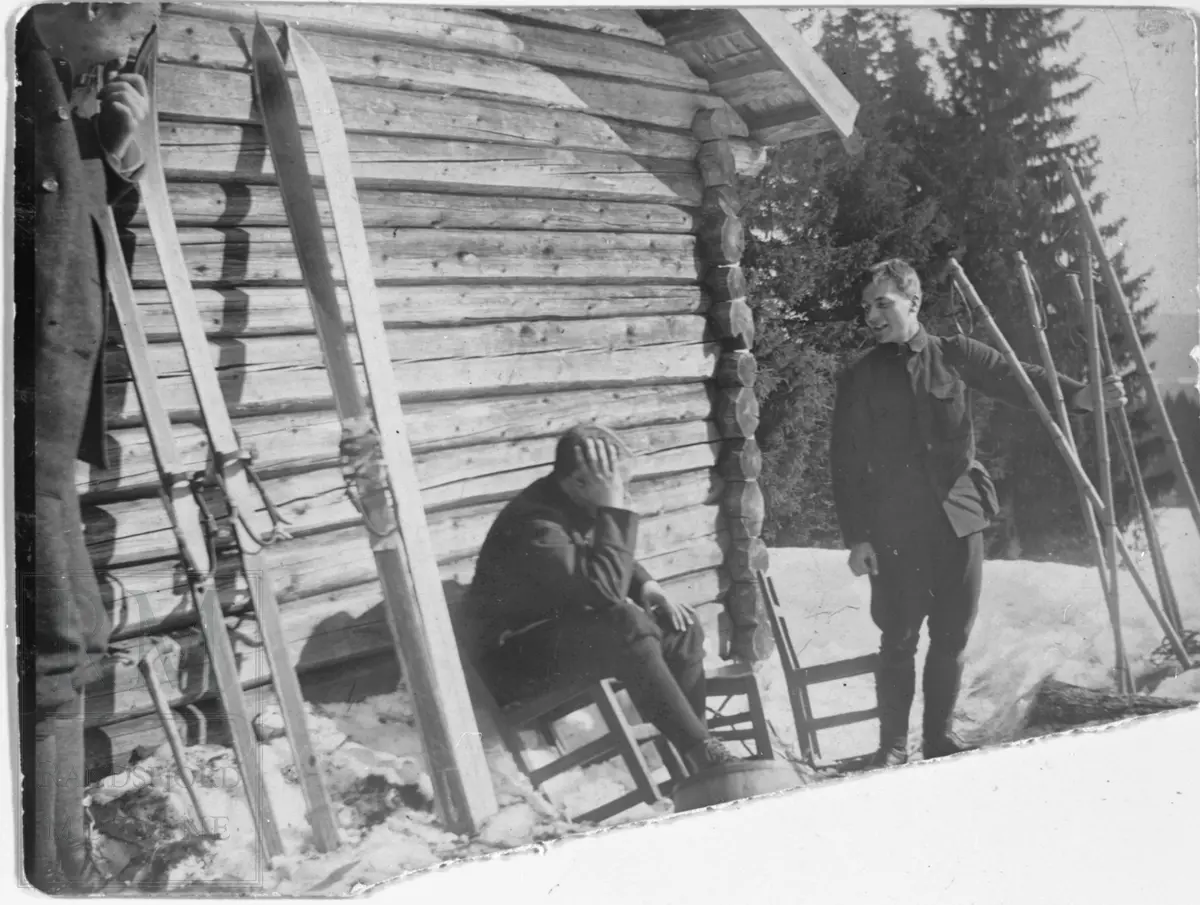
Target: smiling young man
912 500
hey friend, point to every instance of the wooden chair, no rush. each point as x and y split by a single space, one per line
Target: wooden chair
799 678
620 739
744 724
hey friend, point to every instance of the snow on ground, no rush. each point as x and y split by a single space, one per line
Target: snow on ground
1036 620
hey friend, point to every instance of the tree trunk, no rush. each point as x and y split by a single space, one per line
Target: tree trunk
1059 705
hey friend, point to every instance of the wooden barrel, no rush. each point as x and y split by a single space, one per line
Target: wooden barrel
732 782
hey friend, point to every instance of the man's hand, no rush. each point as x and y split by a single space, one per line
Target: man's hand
124 103
1114 395
598 478
863 560
679 615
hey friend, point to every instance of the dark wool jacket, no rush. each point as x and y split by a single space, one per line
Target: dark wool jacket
894 436
544 556
63 181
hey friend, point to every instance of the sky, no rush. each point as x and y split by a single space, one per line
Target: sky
1143 109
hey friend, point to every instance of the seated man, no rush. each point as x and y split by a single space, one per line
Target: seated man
558 597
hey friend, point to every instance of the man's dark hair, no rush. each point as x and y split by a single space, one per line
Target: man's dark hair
565 463
899 273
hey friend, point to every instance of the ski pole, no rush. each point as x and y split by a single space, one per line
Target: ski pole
1128 450
1103 454
1031 393
1038 316
1129 326
146 666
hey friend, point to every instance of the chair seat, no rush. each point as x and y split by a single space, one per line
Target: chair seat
621 739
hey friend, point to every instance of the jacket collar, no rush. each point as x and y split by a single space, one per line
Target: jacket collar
918 343
914 346
29 42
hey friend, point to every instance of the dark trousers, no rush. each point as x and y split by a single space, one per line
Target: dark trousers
925 572
63 630
662 669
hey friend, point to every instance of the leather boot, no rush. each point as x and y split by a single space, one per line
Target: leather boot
942 677
894 687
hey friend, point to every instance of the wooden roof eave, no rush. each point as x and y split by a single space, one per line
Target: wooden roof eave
756 60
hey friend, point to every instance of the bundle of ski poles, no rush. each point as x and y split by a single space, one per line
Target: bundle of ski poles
1099 510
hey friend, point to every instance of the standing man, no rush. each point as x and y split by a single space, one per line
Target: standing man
912 500
75 154
559 597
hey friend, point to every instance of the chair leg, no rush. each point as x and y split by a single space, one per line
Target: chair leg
762 732
547 730
629 749
676 768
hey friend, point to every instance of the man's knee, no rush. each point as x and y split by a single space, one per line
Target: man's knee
898 648
686 646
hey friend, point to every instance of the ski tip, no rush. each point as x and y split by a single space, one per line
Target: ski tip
264 49
299 42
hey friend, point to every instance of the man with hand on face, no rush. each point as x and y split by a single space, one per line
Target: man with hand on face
558 597
74 154
912 500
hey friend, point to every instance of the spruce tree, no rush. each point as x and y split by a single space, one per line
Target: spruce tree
1010 123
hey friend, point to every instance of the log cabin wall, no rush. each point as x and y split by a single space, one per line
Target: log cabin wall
531 192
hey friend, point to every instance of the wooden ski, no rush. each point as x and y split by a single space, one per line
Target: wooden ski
231 469
414 600
188 523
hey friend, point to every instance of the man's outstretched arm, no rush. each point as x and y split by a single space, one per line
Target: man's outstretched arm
986 370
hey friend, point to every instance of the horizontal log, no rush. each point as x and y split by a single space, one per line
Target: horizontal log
744 602
717 164
721 199
110 747
314 500
321 631
344 632
250 311
750 633
744 528
139 530
275 374
214 95
232 153
726 283
715 124
283 443
213 204
239 256
797 129
621 23
469 31
760 92
740 460
734 322
736 369
441 71
744 558
743 499
1058 705
722 240
736 412
154 596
